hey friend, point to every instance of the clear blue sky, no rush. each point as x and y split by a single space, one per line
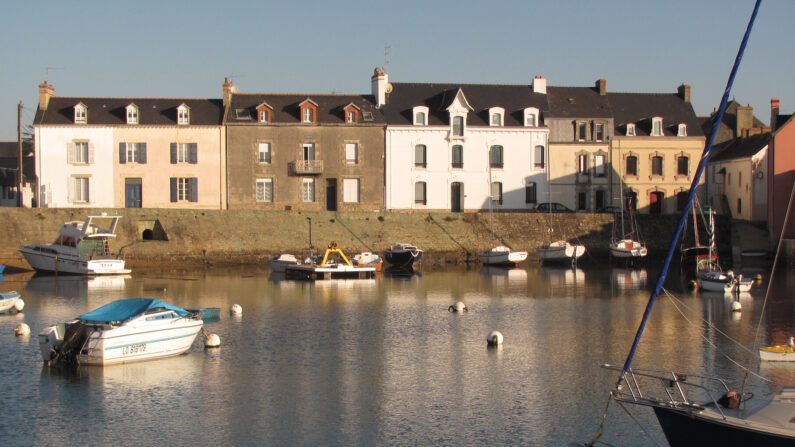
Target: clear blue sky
184 49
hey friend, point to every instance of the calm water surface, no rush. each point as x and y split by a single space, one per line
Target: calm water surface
375 362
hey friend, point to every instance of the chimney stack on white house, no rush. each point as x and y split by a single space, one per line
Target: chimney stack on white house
540 85
774 104
229 88
379 84
46 91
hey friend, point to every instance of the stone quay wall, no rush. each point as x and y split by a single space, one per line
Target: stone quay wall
195 237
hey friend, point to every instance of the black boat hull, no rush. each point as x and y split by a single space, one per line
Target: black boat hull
683 429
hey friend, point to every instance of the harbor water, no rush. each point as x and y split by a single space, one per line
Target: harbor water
381 361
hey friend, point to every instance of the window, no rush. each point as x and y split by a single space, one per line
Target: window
681 200
80 114
599 168
681 131
530 193
419 118
308 115
599 199
80 153
739 205
582 164
682 166
531 117
458 126
183 115
495 116
132 153
184 153
496 192
420 114
351 190
495 156
458 156
657 165
308 151
80 189
264 190
582 201
630 130
351 116
308 190
132 114
184 189
419 156
9 192
419 193
632 165
264 116
656 127
740 179
264 153
599 132
351 153
582 131
530 121
538 157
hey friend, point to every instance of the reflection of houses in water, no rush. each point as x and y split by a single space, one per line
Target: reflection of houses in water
629 279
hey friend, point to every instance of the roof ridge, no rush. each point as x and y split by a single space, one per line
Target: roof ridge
134 98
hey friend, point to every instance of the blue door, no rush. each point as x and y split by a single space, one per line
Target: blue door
132 193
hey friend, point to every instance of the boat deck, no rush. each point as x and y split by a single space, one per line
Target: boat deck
313 272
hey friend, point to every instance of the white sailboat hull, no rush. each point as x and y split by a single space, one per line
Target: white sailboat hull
502 256
720 282
560 251
627 248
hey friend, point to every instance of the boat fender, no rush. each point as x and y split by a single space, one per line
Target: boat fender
19 305
212 341
791 342
22 329
494 338
458 307
731 400
235 309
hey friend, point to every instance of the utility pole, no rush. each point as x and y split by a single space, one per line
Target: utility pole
19 147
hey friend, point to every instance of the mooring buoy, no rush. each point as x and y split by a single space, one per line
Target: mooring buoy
458 307
736 306
494 338
235 309
19 305
22 329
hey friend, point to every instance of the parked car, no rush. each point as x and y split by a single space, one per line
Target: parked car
552 207
609 209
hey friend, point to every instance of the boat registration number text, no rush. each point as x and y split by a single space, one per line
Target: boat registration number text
133 349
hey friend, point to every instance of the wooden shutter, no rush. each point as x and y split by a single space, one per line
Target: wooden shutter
194 189
91 153
70 153
122 153
173 156
194 152
142 153
173 189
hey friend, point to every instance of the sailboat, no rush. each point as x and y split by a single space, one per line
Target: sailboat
499 255
710 275
698 257
560 251
627 244
694 409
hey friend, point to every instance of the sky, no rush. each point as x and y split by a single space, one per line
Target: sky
185 49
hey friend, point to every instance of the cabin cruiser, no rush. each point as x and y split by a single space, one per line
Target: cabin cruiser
403 255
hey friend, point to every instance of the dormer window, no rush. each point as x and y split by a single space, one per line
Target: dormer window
681 130
531 117
458 109
420 114
264 112
80 114
132 114
630 130
351 113
183 115
656 126
308 111
458 126
495 116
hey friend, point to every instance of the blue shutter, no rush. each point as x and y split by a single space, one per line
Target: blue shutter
122 153
173 189
173 154
194 152
194 189
142 154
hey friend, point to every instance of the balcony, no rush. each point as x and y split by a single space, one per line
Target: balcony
303 167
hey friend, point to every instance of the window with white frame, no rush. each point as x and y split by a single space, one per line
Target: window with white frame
308 151
308 115
264 116
420 114
185 189
351 116
599 132
599 165
458 156
351 153
656 126
80 152
496 192
308 190
681 130
132 114
264 191
80 114
264 152
495 156
132 153
419 193
496 114
531 117
419 156
183 115
538 157
182 153
458 126
582 131
630 130
351 190
80 189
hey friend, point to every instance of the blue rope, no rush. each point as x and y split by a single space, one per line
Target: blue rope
693 187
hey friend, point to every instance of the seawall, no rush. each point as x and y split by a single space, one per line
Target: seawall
245 237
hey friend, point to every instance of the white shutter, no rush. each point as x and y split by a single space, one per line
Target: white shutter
91 153
70 189
350 190
70 153
89 187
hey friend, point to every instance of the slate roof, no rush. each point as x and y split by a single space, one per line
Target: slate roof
577 102
728 124
639 108
113 112
286 110
437 97
739 147
782 120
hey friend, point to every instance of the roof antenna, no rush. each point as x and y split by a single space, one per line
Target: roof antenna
386 57
47 72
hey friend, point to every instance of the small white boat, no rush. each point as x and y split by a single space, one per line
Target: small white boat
779 353
368 259
628 248
718 281
123 331
81 248
8 300
334 265
280 262
560 251
502 255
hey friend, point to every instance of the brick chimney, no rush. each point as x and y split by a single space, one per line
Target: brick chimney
540 84
744 122
379 84
46 91
684 92
774 103
229 88
601 86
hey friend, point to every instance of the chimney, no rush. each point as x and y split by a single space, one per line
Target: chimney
684 92
774 103
601 86
46 91
540 85
379 84
229 88
744 122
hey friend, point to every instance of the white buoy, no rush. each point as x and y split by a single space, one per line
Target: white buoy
235 309
19 305
494 338
458 307
22 329
212 341
736 306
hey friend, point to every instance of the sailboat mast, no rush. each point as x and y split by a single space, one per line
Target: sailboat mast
693 189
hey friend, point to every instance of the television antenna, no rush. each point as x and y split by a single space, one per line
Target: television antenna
47 72
386 57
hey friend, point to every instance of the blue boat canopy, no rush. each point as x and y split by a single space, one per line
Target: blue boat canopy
123 310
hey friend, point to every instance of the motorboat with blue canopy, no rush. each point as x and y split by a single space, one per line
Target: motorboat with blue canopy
123 310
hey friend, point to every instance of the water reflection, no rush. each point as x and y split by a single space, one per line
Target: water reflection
628 279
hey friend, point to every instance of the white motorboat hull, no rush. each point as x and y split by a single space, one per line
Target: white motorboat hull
45 259
628 249
8 300
280 263
560 252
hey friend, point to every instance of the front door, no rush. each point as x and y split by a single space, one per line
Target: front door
132 193
455 197
655 202
331 194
